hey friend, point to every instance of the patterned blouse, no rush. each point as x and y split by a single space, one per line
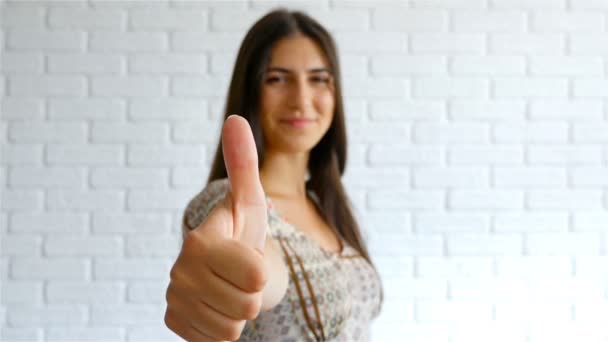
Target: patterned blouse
331 296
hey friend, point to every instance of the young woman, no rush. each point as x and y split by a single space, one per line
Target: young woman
271 250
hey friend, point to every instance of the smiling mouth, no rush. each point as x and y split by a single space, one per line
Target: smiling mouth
297 123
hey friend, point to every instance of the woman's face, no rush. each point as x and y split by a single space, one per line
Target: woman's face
297 96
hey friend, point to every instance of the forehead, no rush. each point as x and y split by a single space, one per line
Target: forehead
297 52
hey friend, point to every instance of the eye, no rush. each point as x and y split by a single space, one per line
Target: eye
320 79
275 79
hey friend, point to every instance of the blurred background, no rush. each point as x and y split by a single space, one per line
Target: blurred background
478 160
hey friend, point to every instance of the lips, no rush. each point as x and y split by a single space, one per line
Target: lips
297 122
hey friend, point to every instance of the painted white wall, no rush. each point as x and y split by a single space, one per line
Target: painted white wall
478 160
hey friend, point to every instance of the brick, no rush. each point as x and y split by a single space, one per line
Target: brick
27 85
452 177
376 178
408 245
440 133
563 243
380 87
128 41
589 176
440 87
199 86
69 292
474 244
590 132
168 109
423 155
571 21
425 223
214 42
554 177
590 221
453 311
566 66
533 311
527 43
28 268
51 223
130 178
22 62
169 19
205 132
576 110
84 200
588 43
76 18
528 4
131 86
530 222
168 63
146 292
564 155
530 87
453 267
130 132
380 222
86 63
416 289
488 65
222 20
85 154
591 88
485 155
21 292
193 177
109 223
153 246
161 155
132 268
86 109
83 246
19 245
481 110
409 20
391 267
442 4
396 132
22 17
304 5
447 43
486 199
21 199
391 64
223 63
488 21
27 316
161 199
45 41
129 4
151 331
21 334
531 132
20 154
370 42
564 199
591 267
235 4
412 199
22 109
48 132
337 20
530 267
89 334
400 110
48 177
488 288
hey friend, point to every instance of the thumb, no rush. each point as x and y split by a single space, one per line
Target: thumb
248 201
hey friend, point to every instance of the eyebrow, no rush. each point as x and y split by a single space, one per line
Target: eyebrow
285 70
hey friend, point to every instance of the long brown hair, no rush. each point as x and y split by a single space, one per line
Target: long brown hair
328 158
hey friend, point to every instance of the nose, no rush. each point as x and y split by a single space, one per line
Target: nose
300 96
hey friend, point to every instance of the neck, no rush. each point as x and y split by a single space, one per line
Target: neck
283 174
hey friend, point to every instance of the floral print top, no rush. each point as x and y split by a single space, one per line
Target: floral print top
331 296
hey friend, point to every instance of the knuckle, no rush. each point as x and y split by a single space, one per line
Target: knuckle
257 276
251 307
232 331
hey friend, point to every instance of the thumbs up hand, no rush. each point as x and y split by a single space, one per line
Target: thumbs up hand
220 273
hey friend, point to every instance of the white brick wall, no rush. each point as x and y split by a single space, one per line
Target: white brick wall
479 160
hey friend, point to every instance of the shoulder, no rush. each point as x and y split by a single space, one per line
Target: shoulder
199 207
